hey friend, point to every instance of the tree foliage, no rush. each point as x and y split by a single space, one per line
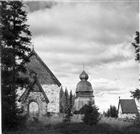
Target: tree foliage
71 100
91 115
60 102
136 93
66 103
111 112
15 47
137 46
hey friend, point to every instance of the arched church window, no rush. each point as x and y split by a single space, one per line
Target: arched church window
33 74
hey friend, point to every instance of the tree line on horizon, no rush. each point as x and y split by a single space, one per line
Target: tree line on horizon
111 112
66 102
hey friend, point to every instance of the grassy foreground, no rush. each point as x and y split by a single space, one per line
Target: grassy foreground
74 128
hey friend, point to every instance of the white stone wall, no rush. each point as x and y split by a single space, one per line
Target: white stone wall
39 99
52 92
128 116
119 111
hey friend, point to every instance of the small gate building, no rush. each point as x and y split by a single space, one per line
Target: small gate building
127 108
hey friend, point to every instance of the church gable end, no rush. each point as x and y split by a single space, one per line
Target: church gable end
43 90
44 74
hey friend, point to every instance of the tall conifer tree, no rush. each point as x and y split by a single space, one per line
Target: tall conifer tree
15 47
71 101
91 115
61 100
66 100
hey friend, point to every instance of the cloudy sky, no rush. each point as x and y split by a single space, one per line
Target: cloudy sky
98 34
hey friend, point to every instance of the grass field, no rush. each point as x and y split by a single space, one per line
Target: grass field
74 128
56 126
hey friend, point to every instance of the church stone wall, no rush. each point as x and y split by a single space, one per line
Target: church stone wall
52 92
39 99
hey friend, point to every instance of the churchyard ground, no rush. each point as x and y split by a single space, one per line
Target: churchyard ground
54 125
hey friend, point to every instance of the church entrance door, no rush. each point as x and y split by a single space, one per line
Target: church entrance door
33 109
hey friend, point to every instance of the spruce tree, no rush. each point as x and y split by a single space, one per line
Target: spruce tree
112 112
66 101
91 115
61 100
15 47
70 102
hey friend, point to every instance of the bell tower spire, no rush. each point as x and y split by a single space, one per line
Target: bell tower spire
83 66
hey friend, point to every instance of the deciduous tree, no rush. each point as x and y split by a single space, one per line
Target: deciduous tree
137 46
136 93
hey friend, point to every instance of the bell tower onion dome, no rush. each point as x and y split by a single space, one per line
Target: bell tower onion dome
83 76
84 85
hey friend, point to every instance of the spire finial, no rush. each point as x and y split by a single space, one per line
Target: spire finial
83 66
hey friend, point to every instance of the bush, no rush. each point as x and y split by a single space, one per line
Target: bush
91 115
137 120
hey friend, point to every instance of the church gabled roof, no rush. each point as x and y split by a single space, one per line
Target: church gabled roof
31 88
44 74
128 106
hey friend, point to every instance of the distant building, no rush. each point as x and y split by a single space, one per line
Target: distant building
127 108
42 95
84 93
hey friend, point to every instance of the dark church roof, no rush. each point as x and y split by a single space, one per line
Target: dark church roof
34 87
83 109
84 85
44 74
128 106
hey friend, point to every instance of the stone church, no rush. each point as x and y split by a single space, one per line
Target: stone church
42 95
84 92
